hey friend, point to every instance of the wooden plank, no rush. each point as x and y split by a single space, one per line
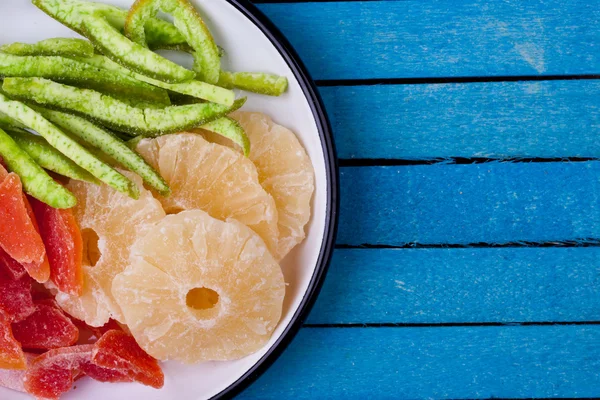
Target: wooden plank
441 363
481 285
463 204
498 120
417 39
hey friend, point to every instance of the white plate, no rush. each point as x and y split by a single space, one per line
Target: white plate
251 44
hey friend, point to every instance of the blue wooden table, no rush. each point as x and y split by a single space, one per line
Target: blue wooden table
468 257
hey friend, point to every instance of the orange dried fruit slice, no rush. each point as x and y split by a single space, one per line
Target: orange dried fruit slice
11 353
118 350
64 246
18 235
109 222
284 170
212 178
200 289
46 328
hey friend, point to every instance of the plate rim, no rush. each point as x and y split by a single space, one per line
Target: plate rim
309 88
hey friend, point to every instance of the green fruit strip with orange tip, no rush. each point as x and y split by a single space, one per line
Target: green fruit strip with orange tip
80 74
48 157
194 88
36 181
256 82
66 145
64 47
109 144
232 130
113 113
94 22
189 22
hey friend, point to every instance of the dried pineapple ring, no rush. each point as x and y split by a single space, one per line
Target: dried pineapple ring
212 178
285 172
200 289
114 221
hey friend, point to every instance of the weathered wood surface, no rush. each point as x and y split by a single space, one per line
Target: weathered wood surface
489 119
474 320
444 38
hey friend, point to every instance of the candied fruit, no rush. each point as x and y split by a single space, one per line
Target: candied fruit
15 297
9 268
285 172
64 246
46 328
11 354
52 374
200 289
18 236
110 222
212 178
118 350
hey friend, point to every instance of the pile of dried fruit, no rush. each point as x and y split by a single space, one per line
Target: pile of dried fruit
38 350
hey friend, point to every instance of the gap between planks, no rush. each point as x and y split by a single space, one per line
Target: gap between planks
449 324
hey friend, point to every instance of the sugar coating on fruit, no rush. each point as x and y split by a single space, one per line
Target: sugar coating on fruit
52 374
110 222
64 246
286 173
9 268
212 178
162 297
46 328
15 297
13 378
11 354
18 234
118 350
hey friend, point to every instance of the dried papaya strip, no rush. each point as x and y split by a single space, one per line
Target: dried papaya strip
113 113
78 73
63 47
189 22
48 157
96 23
108 143
35 180
67 146
194 88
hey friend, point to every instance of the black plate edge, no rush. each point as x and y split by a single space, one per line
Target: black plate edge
331 224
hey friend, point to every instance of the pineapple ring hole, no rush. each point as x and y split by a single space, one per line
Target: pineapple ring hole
202 299
91 251
174 210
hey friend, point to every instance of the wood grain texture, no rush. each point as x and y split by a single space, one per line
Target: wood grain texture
498 120
418 39
436 363
481 285
462 204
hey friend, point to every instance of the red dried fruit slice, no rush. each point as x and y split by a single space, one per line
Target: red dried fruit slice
9 268
18 236
91 334
11 354
52 374
64 246
15 297
105 374
118 350
47 328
